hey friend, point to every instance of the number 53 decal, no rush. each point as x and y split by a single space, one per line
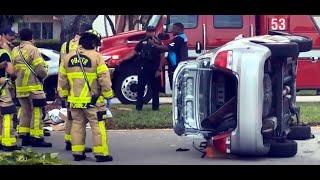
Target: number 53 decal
278 24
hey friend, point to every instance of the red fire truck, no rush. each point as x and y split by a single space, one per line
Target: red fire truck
211 31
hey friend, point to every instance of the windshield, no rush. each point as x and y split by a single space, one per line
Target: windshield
153 21
317 21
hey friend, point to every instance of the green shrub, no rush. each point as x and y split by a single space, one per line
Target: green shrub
29 157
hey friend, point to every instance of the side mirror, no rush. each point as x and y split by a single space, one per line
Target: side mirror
163 36
198 47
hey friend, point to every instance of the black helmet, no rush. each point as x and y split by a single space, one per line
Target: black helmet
93 35
90 39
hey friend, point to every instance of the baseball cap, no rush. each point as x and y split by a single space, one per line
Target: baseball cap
8 31
150 29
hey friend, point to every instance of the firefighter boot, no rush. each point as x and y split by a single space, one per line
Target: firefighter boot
25 140
79 157
39 142
103 158
11 148
68 148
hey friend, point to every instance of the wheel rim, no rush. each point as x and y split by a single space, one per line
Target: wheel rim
129 88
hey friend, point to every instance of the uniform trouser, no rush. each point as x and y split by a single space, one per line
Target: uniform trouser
31 114
170 74
67 123
148 77
7 108
96 117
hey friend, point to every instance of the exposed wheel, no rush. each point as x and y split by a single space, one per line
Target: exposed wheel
304 43
279 49
286 148
300 133
267 95
126 87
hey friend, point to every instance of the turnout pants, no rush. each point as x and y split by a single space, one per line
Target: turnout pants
31 114
8 109
96 116
145 77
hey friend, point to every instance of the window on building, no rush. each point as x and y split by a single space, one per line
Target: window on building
227 21
36 29
188 21
41 30
47 31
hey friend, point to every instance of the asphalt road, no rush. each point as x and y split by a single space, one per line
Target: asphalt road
158 147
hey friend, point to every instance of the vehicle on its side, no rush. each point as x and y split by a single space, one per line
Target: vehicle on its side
50 83
210 31
241 97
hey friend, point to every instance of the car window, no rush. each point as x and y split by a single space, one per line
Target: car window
189 21
46 58
227 21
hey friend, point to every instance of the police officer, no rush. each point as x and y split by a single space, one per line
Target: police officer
30 69
177 49
68 47
86 84
150 67
7 107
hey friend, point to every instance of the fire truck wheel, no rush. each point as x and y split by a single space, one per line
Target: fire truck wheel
286 148
126 88
299 132
283 49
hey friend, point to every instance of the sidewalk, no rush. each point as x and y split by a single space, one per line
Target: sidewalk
168 100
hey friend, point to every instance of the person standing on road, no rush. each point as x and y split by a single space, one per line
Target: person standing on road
177 49
66 48
7 37
30 69
7 107
85 83
150 67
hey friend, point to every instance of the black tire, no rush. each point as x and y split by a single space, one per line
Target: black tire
121 96
287 148
304 43
290 49
299 133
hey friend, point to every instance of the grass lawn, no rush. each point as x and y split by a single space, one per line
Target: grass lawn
126 117
310 113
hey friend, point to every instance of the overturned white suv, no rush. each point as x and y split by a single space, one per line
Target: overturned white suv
241 97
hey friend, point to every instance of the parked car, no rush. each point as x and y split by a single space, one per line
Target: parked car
241 97
50 83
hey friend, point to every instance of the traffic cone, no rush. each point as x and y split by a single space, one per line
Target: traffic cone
209 150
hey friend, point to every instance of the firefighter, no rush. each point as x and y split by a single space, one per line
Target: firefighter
31 69
86 84
7 107
68 47
7 37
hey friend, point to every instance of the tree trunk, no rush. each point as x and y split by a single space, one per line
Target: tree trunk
71 23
